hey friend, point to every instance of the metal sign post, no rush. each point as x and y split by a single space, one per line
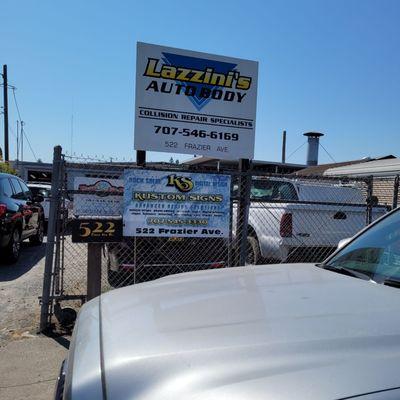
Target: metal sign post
140 158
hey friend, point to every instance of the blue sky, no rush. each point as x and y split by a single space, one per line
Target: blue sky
329 66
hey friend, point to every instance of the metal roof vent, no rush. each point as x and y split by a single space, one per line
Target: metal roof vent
313 147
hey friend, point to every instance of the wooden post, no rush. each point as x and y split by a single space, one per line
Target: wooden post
5 100
94 270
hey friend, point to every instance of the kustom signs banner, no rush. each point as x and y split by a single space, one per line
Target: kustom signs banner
168 204
107 202
194 103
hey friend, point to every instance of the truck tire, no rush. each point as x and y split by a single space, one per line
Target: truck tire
13 248
253 256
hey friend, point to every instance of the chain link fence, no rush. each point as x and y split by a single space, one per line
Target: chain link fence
273 219
303 220
386 191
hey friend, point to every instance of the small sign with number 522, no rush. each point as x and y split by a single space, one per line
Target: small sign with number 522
96 230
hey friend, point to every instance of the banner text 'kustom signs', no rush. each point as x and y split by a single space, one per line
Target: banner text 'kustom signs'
194 103
167 204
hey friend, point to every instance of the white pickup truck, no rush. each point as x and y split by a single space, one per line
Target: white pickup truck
297 220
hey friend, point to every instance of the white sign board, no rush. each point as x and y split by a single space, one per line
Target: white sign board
194 103
168 204
108 202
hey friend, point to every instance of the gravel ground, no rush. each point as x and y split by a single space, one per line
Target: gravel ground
20 286
29 362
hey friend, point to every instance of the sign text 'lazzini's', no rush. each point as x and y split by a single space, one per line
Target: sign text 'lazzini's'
195 103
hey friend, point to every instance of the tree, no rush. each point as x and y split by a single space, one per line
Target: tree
6 168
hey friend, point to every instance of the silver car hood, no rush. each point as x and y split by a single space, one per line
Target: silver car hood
265 332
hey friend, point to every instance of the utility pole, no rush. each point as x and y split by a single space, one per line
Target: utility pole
17 141
22 140
5 98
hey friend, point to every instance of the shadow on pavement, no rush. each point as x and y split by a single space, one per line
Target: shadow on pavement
59 338
30 256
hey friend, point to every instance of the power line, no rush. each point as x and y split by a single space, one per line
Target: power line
12 131
29 143
22 124
326 151
16 104
8 85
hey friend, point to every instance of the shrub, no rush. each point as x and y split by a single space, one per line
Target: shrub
6 168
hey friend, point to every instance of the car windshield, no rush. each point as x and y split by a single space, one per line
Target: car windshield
375 253
42 191
273 190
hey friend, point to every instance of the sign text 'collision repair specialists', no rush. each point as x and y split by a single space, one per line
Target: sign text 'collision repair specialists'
194 103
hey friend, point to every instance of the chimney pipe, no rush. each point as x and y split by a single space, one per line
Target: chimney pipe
284 147
313 147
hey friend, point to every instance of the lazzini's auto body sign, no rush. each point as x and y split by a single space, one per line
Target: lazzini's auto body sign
176 204
194 103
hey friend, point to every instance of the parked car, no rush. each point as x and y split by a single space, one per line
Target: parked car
21 217
295 220
44 189
284 331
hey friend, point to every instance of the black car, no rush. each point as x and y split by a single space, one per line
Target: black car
21 217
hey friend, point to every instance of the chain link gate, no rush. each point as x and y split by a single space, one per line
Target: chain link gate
129 261
274 218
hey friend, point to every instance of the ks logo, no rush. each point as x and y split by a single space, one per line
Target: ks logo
182 183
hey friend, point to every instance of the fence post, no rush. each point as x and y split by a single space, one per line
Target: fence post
51 230
93 270
370 191
395 192
231 259
243 209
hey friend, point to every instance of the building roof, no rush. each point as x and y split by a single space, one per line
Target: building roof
270 166
379 168
319 170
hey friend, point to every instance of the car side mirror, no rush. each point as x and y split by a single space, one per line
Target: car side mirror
38 198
